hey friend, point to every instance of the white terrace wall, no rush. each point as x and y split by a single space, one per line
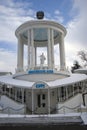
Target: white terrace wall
70 103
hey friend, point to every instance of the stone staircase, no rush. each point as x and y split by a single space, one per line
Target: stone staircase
40 120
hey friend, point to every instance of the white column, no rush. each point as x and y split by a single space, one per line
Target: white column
15 89
49 49
29 40
32 49
62 52
9 91
22 95
59 94
5 89
52 48
20 55
32 101
73 89
35 56
48 101
0 90
66 93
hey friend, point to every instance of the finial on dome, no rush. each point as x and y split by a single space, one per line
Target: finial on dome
40 15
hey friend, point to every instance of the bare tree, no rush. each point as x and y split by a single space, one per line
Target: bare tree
83 55
75 66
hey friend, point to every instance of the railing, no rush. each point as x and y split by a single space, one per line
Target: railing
68 96
66 109
12 96
45 66
60 99
10 110
61 110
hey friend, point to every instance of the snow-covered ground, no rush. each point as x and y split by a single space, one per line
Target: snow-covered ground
74 117
84 117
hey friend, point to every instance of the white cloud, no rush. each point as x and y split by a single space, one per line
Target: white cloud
60 19
58 16
11 16
7 60
57 12
16 4
77 28
76 38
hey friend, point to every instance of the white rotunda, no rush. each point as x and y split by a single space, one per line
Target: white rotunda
41 88
40 33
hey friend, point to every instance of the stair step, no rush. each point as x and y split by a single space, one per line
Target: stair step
40 120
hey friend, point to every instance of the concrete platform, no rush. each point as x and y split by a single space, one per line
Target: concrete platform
41 120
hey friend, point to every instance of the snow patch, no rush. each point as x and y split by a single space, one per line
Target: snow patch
84 117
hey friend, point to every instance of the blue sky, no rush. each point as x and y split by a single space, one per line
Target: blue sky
70 13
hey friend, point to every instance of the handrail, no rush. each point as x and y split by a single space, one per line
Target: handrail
45 66
79 106
51 108
10 108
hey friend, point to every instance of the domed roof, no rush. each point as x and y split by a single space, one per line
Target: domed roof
40 29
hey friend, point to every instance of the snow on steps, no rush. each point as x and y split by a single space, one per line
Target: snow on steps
40 119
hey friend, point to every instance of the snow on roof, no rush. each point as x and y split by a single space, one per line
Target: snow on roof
81 70
56 83
3 71
69 80
14 82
